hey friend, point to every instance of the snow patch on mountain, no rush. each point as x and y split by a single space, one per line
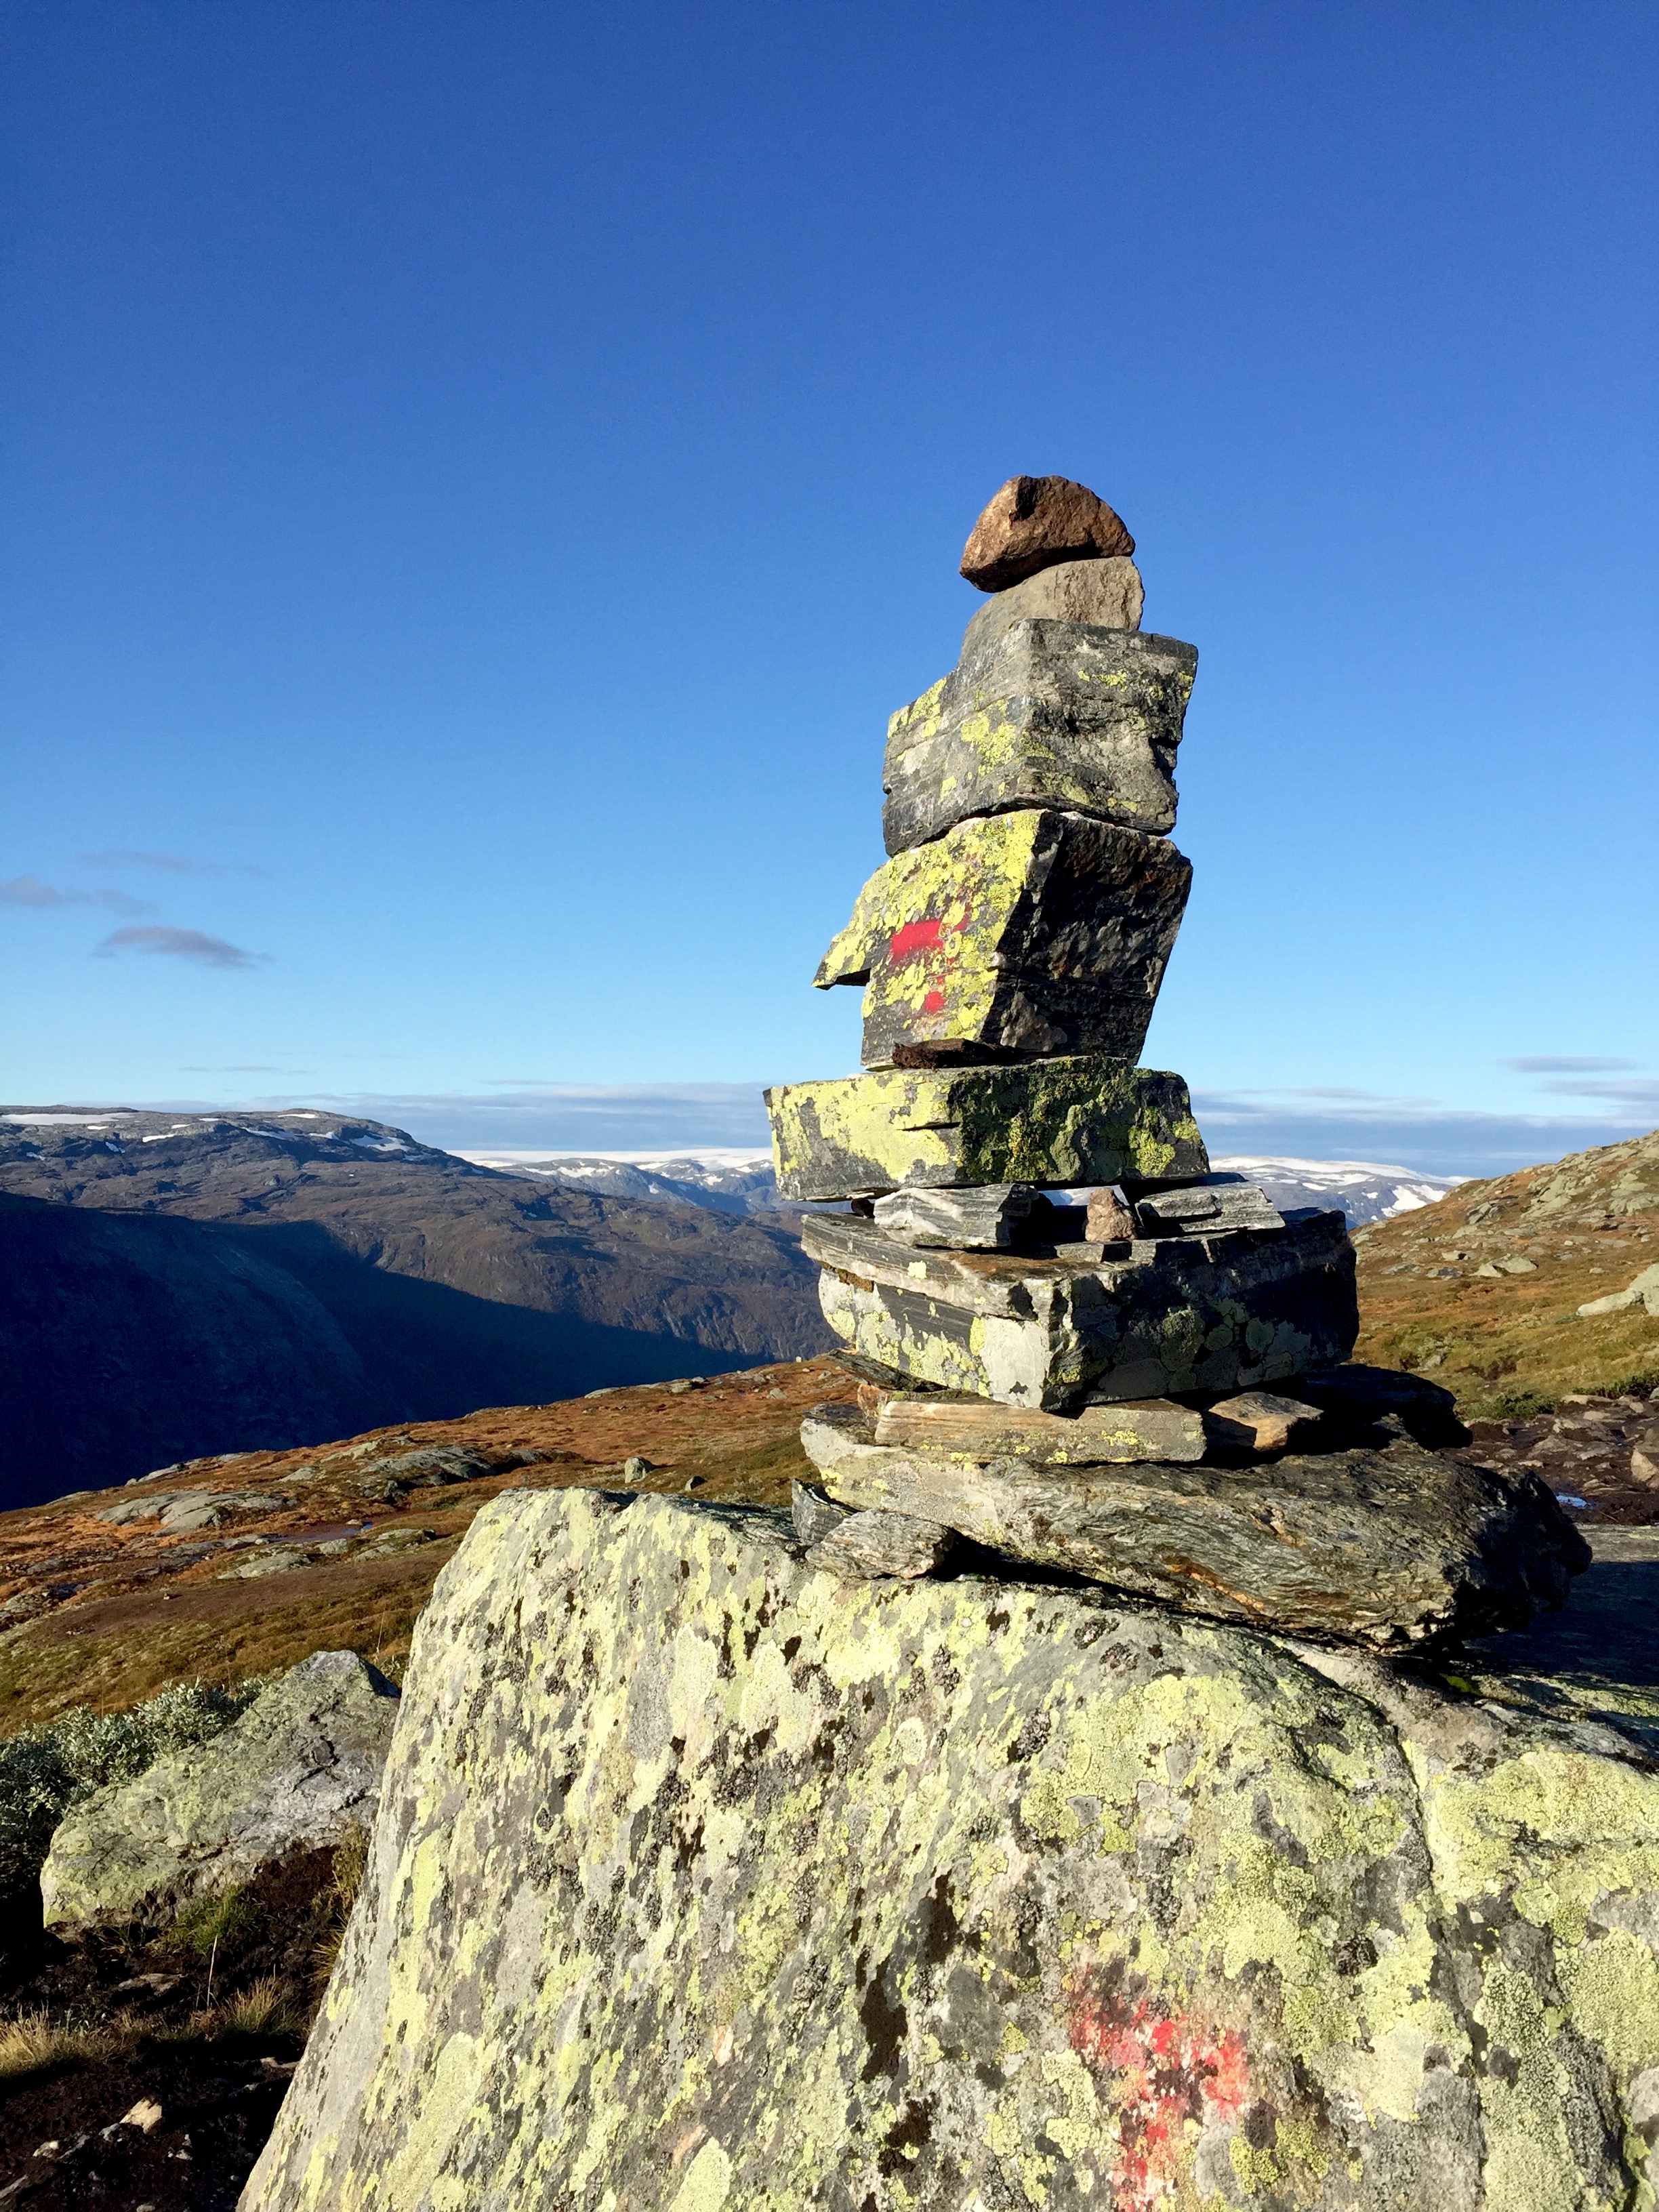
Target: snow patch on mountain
1365 1190
733 1180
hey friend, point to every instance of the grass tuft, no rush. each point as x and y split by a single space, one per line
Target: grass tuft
266 2007
350 1861
208 1922
30 2042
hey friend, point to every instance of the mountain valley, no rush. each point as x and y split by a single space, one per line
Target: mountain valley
188 1284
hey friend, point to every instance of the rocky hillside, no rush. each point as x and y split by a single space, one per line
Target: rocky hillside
1484 1290
225 1568
175 1284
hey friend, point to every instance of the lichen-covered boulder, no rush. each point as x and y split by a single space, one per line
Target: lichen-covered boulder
300 1770
706 1883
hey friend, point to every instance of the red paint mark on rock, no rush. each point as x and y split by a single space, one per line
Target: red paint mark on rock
1167 2075
933 1003
914 937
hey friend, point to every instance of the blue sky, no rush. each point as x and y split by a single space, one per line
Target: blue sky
477 478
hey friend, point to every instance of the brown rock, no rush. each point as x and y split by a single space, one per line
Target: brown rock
1258 1420
1108 1220
1036 522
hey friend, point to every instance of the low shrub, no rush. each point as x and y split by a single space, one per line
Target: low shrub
1516 1406
1643 1384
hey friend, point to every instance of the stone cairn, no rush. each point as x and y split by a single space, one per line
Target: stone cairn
1079 1384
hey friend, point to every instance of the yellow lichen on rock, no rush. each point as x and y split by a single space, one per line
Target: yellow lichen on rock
705 1881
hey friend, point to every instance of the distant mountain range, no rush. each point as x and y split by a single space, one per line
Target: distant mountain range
726 1181
179 1284
1364 1191
734 1182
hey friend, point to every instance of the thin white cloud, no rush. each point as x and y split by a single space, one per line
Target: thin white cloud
181 944
1559 1063
171 864
1430 1136
29 890
656 1120
570 1117
1640 1097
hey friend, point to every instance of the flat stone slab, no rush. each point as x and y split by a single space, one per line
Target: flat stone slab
985 1219
1202 1211
1390 1549
1063 1122
1178 1315
704 1882
1025 935
979 1430
872 1543
1041 712
1259 1421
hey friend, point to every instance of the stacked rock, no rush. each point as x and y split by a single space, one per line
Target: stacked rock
1011 952
1040 1277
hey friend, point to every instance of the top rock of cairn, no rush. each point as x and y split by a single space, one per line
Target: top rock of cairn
1038 522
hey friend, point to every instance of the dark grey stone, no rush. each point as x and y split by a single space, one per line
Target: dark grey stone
1387 1548
1029 934
868 1545
1042 714
1203 1211
814 1512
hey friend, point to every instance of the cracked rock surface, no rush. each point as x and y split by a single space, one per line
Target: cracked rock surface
706 1880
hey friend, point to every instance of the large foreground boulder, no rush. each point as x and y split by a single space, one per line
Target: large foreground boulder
300 1770
706 1883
